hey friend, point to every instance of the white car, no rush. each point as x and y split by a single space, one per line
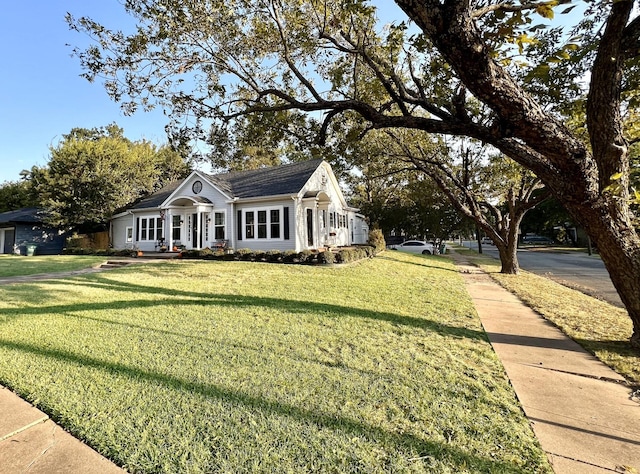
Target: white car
415 246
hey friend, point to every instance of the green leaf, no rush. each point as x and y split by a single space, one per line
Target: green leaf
545 11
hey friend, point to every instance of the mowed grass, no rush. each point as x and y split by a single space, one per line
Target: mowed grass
380 366
601 328
18 265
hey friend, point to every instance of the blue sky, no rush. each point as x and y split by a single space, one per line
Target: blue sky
42 95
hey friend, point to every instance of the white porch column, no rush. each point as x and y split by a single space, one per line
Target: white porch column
199 234
168 238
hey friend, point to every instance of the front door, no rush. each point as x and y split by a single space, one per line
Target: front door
8 240
310 227
194 234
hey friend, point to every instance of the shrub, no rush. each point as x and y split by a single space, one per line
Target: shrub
326 257
351 255
290 256
306 256
206 252
274 256
376 239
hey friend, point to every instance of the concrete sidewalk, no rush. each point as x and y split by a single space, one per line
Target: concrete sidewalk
582 412
31 443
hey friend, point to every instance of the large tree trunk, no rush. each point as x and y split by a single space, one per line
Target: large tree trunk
619 248
508 259
508 247
578 177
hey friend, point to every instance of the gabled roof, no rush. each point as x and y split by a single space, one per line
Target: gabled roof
274 181
26 215
263 182
156 199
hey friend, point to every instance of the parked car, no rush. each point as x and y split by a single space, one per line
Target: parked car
537 240
487 241
415 246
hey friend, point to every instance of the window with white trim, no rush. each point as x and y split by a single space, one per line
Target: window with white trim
218 225
150 228
263 224
249 225
274 223
176 227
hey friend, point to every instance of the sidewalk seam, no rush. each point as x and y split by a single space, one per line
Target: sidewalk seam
624 383
24 428
583 462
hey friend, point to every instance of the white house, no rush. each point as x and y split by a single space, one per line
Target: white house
296 206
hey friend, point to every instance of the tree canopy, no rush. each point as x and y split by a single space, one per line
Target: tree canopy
94 172
498 72
16 195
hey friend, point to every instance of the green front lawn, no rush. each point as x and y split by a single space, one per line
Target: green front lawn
380 366
18 265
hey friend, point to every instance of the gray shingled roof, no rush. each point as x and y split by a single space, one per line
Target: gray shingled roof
274 181
157 198
26 215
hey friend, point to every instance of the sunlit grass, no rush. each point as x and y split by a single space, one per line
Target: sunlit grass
17 265
381 366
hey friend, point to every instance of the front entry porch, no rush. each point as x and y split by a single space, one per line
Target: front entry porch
193 225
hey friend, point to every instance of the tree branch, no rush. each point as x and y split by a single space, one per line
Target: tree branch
511 8
604 120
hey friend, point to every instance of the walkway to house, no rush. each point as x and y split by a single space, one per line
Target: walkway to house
583 414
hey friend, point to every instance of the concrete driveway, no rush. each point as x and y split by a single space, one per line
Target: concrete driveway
574 269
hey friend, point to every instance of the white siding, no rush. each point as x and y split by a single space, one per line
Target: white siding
336 231
118 231
331 217
148 244
266 244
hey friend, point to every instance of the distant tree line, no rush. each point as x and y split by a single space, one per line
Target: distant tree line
91 174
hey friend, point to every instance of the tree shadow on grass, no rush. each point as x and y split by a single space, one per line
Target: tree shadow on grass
235 345
425 263
392 440
187 298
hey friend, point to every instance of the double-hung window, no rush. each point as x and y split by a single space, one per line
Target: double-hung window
263 224
150 228
275 223
176 227
218 225
249 225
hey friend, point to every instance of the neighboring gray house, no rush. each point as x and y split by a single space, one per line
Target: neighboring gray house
297 206
24 226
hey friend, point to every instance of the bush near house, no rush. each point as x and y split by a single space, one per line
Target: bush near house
343 255
376 239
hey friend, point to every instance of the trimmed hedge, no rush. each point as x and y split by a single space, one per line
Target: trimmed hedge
376 239
90 251
343 255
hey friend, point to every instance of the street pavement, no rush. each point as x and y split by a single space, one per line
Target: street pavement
578 270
